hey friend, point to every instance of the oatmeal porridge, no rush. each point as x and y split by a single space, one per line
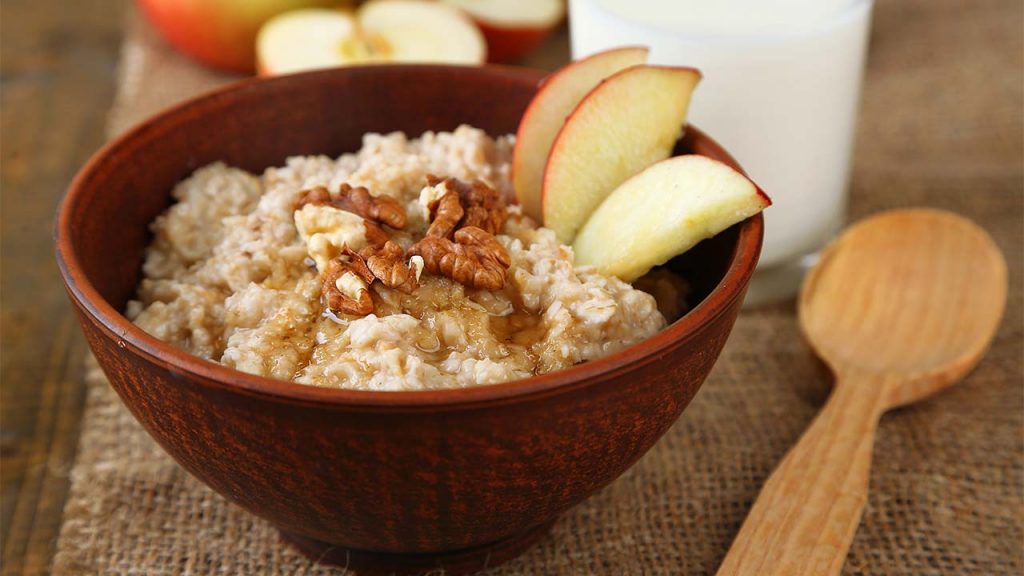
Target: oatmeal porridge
398 267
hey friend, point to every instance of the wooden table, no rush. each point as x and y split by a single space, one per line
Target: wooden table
58 74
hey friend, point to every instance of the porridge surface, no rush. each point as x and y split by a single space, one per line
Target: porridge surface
230 278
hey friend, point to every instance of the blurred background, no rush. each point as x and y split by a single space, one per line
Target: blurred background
941 124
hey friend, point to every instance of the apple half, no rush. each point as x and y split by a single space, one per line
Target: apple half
558 96
221 34
664 211
628 122
512 29
380 31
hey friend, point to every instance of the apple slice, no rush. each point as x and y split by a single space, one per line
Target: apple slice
628 122
558 95
512 29
380 31
664 211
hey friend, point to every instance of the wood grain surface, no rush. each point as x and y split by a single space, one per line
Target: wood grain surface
58 62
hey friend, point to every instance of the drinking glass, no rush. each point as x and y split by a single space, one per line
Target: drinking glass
780 91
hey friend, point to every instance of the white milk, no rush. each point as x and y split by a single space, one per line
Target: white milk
780 91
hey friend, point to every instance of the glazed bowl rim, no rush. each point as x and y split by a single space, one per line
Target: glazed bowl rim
133 339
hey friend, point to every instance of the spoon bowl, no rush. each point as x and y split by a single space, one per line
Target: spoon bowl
913 294
902 305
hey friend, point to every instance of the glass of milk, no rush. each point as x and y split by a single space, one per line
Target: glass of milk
780 92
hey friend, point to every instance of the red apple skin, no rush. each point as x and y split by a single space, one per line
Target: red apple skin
506 45
512 34
685 78
219 34
520 159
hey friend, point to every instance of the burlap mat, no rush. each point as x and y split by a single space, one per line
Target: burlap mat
941 126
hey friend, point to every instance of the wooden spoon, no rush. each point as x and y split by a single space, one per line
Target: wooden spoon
901 306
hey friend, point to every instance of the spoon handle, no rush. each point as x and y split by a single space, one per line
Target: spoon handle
808 511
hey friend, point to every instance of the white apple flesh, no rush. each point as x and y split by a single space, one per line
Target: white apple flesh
558 96
664 211
418 31
302 40
381 31
628 122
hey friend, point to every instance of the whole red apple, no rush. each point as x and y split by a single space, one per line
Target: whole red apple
220 33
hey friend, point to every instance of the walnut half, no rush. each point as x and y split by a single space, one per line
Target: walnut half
346 285
485 206
387 263
445 212
475 258
475 204
383 209
358 200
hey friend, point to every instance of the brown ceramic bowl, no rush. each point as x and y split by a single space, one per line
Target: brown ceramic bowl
400 481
